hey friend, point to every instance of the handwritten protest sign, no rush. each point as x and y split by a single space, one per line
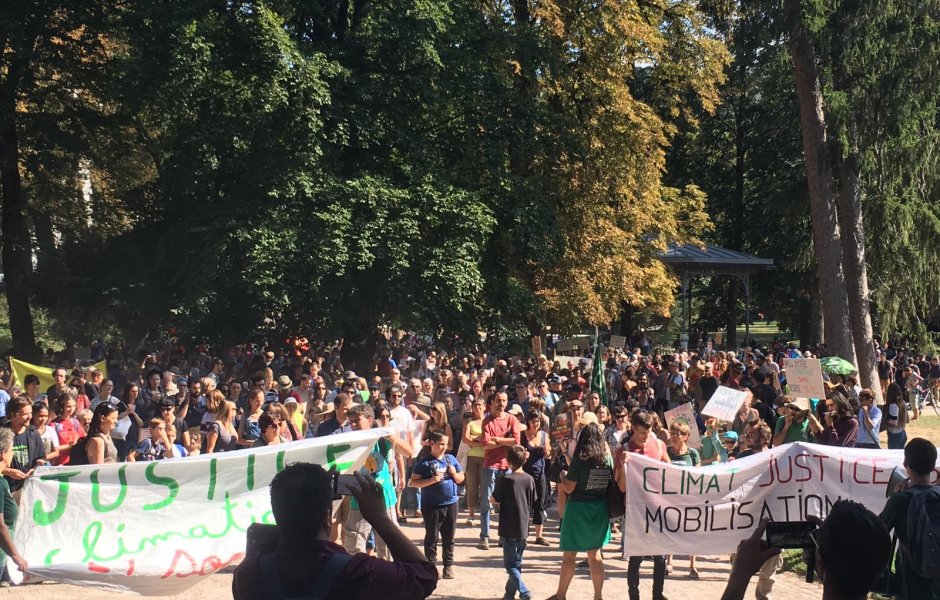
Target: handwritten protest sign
685 414
618 341
564 346
157 528
708 510
724 404
804 377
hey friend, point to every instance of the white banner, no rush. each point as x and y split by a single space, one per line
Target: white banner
157 528
804 377
708 510
724 404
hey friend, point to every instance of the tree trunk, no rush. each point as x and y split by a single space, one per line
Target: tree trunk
626 320
16 243
856 274
823 211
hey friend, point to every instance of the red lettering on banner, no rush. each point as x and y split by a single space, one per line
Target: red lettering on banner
210 564
98 568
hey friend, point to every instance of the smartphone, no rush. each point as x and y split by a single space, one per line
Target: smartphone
790 534
342 484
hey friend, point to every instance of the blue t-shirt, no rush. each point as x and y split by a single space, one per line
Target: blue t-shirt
443 493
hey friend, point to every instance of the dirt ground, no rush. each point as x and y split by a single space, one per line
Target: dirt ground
479 574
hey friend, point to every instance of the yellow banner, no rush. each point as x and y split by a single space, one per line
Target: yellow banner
21 369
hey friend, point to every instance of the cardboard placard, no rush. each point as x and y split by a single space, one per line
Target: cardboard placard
537 345
618 341
562 428
804 377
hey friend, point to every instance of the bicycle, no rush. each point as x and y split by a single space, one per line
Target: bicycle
925 395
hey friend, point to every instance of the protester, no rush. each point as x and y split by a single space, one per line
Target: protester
841 425
29 449
40 423
515 494
647 445
896 406
438 475
797 424
8 506
302 504
156 447
221 435
378 465
500 432
249 428
473 438
920 458
66 427
99 448
869 421
539 450
586 527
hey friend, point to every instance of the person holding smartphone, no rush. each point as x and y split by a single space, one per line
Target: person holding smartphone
303 562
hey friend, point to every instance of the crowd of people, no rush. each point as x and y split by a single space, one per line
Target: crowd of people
472 432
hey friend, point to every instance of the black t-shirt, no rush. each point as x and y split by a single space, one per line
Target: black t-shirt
515 493
28 447
934 372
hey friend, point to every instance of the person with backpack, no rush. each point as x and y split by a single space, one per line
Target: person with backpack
914 516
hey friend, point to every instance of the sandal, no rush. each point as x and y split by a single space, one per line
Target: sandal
540 541
693 574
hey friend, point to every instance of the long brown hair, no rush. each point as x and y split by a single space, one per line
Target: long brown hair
896 395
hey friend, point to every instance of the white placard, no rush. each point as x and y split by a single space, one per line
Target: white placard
686 414
618 342
804 377
724 403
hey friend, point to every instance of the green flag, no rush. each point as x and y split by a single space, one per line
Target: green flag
598 380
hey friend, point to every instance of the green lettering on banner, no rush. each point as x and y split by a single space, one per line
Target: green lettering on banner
172 485
332 453
41 516
279 462
213 473
96 491
93 535
251 472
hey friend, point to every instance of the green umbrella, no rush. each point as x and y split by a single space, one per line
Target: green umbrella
839 366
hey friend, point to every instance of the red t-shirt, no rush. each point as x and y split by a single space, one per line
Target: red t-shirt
653 448
505 425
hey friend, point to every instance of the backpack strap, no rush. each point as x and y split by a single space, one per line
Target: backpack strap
273 586
326 578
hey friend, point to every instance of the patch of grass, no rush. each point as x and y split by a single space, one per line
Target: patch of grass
793 562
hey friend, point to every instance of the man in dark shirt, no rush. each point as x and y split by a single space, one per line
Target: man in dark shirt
515 494
301 500
339 422
920 457
29 451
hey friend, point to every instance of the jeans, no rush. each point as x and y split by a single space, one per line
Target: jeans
487 485
443 520
633 576
897 441
512 561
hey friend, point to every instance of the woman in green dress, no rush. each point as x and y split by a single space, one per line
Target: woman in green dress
7 506
586 527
